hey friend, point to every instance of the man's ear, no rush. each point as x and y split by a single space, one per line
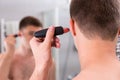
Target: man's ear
20 34
72 27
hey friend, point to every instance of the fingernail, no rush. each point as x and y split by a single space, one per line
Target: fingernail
51 28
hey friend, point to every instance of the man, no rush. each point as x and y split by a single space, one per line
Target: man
6 59
95 28
22 64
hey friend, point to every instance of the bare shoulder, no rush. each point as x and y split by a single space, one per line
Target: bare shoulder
80 77
84 75
87 77
2 55
96 75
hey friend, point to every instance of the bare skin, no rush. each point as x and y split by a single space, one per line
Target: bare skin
22 62
42 54
98 62
6 58
22 65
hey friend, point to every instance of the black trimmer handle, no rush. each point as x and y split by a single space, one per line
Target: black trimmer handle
42 33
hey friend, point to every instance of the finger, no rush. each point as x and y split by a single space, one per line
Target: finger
57 39
40 40
49 36
10 35
53 44
10 39
34 42
54 41
57 45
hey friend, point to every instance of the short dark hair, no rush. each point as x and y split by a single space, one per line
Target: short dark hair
96 17
29 20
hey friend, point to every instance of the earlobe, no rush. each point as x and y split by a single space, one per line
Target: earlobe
72 27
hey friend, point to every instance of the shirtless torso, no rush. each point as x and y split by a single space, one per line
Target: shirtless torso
22 67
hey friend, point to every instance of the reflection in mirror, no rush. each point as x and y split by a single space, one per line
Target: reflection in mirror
49 14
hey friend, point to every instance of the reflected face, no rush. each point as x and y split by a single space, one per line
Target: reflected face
27 34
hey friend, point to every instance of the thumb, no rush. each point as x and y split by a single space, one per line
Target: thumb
49 36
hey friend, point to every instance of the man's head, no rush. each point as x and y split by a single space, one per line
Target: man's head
95 18
28 25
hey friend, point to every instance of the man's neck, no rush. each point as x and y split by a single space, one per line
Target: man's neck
96 53
24 51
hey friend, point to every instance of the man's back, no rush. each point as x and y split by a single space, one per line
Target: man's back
111 72
95 27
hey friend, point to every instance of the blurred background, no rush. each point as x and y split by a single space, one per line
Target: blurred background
49 12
